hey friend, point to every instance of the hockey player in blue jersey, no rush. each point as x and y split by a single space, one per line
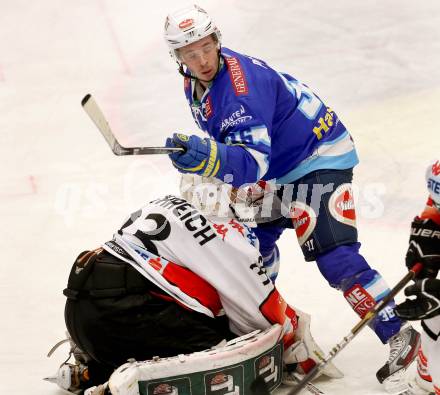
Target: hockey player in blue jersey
266 125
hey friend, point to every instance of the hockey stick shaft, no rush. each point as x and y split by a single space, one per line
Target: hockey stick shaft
92 109
357 328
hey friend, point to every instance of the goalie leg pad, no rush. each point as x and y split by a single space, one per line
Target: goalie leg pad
231 368
314 351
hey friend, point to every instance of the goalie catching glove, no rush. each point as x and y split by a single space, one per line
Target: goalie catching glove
427 302
424 247
202 156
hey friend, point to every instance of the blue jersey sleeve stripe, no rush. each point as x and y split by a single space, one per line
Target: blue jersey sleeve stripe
260 135
339 162
379 297
262 160
337 139
372 282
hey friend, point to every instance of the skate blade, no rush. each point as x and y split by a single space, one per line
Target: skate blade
416 389
52 379
396 384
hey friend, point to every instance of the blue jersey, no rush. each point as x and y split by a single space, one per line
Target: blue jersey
275 127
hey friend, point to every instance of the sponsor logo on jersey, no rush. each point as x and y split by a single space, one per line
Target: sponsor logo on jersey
236 118
433 185
360 300
117 249
436 168
237 76
324 124
303 219
221 229
186 23
208 108
155 263
341 205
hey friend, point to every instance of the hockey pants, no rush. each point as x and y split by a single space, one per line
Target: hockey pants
323 216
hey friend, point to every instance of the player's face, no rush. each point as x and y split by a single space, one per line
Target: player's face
201 58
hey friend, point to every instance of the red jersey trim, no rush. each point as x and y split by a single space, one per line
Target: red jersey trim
193 285
186 83
431 212
208 108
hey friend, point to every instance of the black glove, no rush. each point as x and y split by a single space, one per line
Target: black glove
424 247
426 304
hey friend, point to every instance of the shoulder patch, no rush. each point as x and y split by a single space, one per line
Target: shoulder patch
238 78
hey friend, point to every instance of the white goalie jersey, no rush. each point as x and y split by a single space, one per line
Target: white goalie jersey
212 267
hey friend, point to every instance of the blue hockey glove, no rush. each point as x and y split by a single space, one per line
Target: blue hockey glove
201 156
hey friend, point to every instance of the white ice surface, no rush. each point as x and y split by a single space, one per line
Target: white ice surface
376 62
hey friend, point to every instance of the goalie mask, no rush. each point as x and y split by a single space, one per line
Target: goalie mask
433 182
208 194
251 203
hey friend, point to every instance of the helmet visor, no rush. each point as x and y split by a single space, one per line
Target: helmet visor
190 55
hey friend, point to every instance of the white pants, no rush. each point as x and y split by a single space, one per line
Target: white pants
431 348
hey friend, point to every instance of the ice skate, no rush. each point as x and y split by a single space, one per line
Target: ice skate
421 381
404 347
71 377
419 386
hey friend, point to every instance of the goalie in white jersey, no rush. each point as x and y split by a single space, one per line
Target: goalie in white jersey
171 281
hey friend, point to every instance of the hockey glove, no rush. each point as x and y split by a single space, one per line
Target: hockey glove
426 304
424 247
202 156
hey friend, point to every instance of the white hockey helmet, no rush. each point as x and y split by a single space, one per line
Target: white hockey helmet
433 181
188 25
208 194
215 198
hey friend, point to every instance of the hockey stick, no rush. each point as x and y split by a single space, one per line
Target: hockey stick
357 328
90 106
